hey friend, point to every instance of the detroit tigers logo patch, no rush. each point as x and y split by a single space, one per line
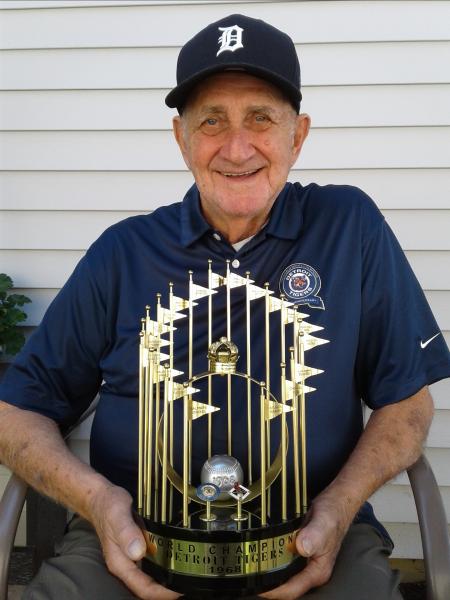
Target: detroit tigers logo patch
300 283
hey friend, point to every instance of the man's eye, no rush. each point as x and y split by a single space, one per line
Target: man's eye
260 118
211 121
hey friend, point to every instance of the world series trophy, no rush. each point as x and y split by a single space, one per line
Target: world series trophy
227 527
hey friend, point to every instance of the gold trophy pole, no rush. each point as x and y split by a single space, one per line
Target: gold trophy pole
165 416
172 310
186 421
155 370
209 344
263 454
190 367
148 414
283 445
283 415
229 339
295 416
303 422
141 422
249 383
267 349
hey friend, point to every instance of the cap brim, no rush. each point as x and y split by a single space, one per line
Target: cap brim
177 97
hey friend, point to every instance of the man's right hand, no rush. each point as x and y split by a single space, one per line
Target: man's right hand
123 542
32 446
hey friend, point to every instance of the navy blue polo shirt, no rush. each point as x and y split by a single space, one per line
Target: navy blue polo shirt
327 248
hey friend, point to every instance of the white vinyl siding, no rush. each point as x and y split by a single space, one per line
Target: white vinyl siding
85 141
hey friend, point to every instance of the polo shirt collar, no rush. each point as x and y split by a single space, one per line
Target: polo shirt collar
286 217
285 220
193 223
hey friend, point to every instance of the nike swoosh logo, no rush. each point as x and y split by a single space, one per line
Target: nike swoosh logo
425 344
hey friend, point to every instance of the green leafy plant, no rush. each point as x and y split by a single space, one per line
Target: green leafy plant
11 338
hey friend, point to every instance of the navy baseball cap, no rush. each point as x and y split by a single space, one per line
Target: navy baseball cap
238 42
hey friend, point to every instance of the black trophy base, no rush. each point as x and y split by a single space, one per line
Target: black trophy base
224 561
225 588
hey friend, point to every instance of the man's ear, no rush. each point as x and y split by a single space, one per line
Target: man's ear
302 126
179 133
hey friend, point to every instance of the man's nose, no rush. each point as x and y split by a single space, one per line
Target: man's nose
238 147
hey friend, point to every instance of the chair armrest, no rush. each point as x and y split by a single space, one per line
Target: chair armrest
433 529
11 505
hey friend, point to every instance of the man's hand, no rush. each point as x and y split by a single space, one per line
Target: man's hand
123 543
391 442
31 445
320 541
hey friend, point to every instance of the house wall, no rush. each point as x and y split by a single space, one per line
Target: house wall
85 141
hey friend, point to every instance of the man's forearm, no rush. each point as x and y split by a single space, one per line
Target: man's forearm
391 442
31 445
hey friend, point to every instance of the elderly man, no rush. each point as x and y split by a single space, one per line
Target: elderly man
240 132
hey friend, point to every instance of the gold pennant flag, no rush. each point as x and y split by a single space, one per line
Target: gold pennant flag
308 327
165 315
170 372
154 342
309 341
277 303
199 409
292 314
217 280
155 328
178 390
236 280
273 409
161 356
180 303
298 389
256 292
198 291
302 371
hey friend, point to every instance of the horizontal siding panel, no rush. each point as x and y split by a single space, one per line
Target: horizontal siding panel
390 147
439 301
27 230
439 460
439 434
391 188
395 503
39 268
94 190
407 540
329 106
432 268
441 390
173 25
50 268
322 64
421 230
70 231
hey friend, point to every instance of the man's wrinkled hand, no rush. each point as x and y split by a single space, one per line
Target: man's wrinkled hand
123 543
319 541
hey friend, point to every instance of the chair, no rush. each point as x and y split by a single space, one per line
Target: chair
430 509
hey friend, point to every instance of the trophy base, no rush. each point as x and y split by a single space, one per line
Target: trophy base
221 558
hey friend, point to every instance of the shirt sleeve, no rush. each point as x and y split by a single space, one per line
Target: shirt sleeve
57 373
401 348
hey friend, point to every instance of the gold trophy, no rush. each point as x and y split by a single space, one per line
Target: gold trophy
227 528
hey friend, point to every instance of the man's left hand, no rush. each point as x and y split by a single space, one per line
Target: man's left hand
320 541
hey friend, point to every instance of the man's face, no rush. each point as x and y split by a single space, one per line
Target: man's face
240 137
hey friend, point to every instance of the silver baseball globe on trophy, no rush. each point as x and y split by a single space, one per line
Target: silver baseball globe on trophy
214 474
